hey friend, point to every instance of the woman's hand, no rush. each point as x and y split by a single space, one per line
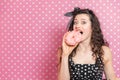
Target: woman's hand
67 49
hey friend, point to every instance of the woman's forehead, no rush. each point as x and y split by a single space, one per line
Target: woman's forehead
82 17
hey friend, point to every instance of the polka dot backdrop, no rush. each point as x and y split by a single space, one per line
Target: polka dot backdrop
32 30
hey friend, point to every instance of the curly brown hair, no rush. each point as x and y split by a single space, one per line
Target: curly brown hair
97 39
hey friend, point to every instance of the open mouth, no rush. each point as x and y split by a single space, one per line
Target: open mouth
81 32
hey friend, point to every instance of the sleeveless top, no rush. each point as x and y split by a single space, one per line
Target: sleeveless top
86 71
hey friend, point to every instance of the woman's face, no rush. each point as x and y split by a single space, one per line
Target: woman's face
83 24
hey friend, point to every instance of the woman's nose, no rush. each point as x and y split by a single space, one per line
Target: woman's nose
77 28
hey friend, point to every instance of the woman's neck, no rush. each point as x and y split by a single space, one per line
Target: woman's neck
83 47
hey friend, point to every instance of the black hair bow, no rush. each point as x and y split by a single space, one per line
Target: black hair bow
69 14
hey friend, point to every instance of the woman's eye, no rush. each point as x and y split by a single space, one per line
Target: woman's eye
75 22
83 22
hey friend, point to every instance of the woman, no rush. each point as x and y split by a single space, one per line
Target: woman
87 59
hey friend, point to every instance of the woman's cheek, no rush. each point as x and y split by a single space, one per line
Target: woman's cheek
86 33
85 27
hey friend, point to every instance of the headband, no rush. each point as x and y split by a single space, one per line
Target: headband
69 14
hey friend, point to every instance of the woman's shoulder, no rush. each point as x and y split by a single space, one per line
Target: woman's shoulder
107 50
107 53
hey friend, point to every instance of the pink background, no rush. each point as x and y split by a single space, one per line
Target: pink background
32 30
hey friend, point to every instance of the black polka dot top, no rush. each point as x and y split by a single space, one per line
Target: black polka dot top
86 71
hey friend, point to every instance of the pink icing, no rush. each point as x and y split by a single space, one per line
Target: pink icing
73 37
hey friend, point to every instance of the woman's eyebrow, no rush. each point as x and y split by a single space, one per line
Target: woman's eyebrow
83 19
